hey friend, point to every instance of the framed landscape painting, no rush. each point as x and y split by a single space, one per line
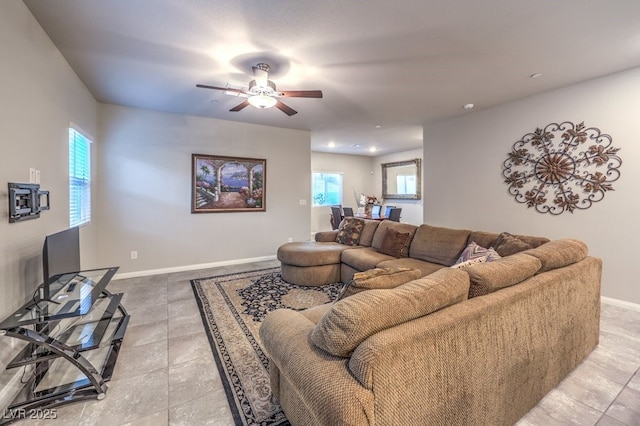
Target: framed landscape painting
227 184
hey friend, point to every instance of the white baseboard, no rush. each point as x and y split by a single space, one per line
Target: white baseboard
620 303
148 272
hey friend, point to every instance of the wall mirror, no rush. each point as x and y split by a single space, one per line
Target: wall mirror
401 180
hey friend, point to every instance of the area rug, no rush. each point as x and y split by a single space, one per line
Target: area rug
232 308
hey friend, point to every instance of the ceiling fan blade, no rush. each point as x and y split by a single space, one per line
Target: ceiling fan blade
240 106
226 89
302 93
286 109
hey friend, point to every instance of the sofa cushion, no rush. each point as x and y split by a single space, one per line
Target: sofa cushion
487 239
507 244
352 320
395 243
365 258
326 236
438 245
426 268
311 253
491 276
349 231
315 313
379 278
474 251
559 253
369 230
380 233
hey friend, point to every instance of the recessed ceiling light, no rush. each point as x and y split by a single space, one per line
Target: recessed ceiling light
378 126
535 75
332 144
468 106
373 149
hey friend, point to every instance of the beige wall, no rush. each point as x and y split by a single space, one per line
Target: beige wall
145 190
464 185
41 95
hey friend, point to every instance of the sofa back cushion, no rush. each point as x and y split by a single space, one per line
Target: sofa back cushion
352 320
366 236
507 271
558 253
381 231
438 245
379 278
488 239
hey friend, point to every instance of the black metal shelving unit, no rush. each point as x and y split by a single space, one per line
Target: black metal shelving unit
73 340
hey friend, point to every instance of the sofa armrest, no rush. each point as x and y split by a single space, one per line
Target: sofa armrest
318 382
326 236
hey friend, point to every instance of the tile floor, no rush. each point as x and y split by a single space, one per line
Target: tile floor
166 374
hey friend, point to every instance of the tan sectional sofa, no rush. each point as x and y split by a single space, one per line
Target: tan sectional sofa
479 345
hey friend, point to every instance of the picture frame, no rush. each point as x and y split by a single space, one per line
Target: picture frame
222 184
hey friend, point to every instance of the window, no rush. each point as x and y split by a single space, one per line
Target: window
79 178
326 189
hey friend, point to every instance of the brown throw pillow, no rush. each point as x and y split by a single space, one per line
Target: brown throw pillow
507 244
379 278
395 243
349 231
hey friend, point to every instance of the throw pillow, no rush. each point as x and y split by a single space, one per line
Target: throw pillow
507 244
353 320
474 251
470 262
379 278
349 231
395 243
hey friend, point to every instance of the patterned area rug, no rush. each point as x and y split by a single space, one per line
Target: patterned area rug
232 308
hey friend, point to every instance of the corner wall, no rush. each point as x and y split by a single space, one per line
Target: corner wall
145 190
41 95
464 187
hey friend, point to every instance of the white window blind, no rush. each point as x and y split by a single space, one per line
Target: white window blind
79 178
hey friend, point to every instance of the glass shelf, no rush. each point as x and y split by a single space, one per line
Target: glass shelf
72 294
80 333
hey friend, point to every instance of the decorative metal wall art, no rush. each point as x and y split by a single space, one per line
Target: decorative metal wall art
561 168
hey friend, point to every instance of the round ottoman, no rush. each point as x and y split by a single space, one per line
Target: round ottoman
311 263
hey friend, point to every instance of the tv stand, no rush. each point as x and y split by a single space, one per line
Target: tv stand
73 340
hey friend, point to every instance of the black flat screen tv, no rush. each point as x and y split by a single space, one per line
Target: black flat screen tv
60 254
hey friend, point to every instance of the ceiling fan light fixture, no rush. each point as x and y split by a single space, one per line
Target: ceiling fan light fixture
262 101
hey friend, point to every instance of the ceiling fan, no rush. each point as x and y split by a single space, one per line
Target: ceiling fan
262 92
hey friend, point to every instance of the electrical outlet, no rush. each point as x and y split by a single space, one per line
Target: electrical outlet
32 175
38 176
134 255
290 239
303 202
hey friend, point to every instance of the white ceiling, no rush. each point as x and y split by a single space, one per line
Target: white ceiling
396 64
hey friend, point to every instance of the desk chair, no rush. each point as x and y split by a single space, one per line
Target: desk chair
394 214
348 211
336 217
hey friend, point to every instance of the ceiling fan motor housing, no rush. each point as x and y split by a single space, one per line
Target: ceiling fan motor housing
268 90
